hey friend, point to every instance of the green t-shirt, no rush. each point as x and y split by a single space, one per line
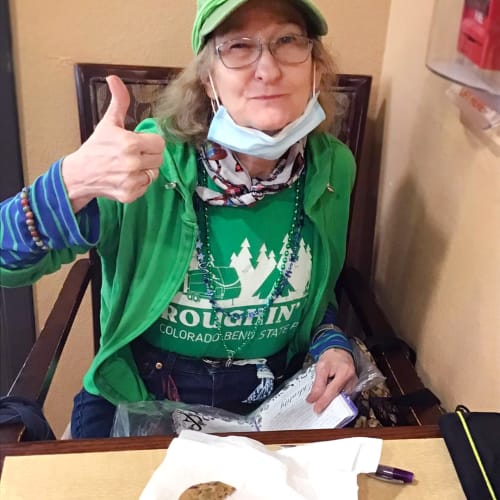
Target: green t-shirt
247 246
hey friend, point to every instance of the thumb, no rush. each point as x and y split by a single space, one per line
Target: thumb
120 101
317 389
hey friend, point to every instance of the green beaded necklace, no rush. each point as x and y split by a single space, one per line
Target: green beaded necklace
204 254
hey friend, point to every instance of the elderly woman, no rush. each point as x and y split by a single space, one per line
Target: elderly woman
221 225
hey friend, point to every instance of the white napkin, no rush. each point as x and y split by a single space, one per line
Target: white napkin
315 471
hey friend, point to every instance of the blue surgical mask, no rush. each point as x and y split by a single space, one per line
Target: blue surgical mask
224 131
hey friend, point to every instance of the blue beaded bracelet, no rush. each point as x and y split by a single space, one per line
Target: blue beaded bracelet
30 220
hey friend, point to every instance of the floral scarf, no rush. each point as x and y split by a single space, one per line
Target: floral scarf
237 187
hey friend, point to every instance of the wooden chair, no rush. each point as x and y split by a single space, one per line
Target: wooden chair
393 356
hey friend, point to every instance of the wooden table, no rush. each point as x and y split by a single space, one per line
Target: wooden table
162 442
116 469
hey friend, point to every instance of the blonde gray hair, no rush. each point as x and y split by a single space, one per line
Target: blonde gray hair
184 111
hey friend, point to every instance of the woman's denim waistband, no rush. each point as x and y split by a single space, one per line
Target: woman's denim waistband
168 375
143 350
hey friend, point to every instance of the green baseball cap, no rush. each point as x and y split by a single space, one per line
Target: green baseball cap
211 13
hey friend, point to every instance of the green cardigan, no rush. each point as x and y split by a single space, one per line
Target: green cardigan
146 247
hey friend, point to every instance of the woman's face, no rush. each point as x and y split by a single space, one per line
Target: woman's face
266 95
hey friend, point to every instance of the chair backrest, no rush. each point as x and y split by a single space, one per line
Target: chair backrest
145 84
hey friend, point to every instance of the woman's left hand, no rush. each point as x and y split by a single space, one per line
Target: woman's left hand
335 372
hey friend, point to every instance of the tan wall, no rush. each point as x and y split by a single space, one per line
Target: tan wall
438 232
50 36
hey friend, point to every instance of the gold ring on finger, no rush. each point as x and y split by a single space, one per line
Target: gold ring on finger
150 174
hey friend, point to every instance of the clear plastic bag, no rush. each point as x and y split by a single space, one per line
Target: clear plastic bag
368 373
150 418
166 417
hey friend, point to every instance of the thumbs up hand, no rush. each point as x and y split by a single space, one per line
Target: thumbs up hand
113 163
120 101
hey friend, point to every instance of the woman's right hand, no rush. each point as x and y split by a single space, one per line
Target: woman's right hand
114 162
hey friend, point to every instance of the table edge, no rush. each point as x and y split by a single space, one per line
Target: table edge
162 442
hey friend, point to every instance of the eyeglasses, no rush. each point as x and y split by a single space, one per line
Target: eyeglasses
286 49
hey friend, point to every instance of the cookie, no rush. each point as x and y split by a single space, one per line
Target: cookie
214 490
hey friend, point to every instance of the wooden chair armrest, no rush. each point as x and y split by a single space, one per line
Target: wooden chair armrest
34 378
393 357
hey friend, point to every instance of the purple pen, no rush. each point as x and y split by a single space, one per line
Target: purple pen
393 474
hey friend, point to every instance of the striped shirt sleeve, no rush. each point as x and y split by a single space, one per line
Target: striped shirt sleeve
329 339
55 221
328 336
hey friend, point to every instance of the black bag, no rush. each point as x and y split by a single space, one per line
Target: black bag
17 410
473 440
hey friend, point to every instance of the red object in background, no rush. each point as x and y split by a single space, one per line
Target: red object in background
479 38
